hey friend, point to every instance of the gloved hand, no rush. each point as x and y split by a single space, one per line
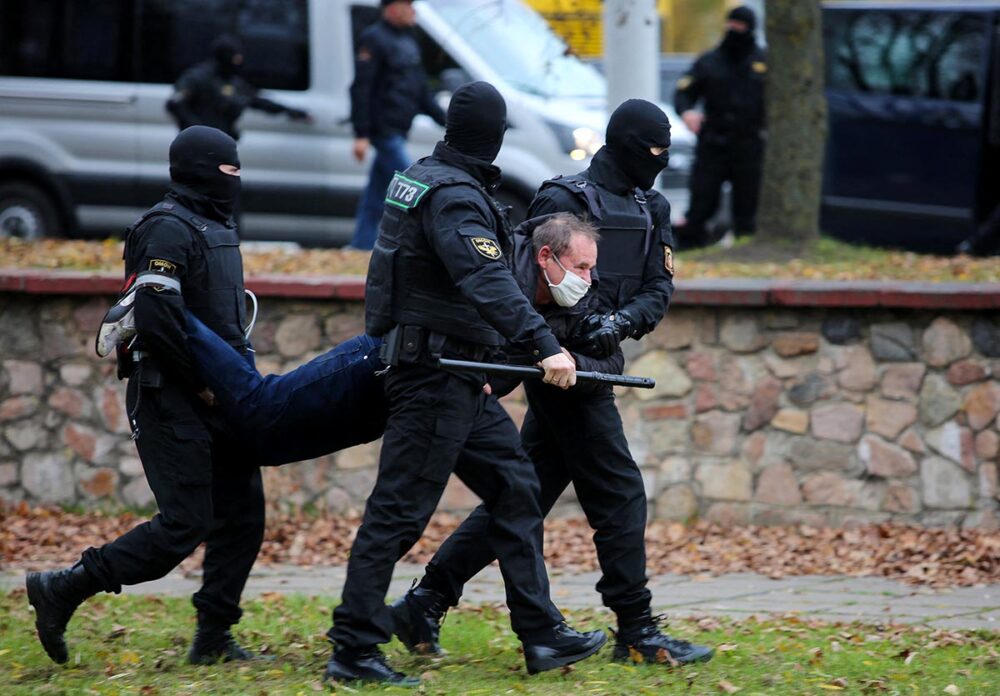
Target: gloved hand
595 336
624 326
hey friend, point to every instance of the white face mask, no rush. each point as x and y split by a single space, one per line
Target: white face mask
570 290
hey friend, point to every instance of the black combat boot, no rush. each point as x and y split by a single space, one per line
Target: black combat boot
562 647
418 615
365 665
214 643
640 640
55 595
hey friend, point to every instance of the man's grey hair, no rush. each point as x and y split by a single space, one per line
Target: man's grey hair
557 231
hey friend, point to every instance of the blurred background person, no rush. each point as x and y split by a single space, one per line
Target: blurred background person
985 241
389 89
212 93
728 82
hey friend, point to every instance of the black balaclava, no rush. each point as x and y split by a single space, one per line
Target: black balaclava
477 120
224 49
633 128
195 156
739 43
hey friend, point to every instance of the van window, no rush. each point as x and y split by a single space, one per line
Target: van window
176 34
434 58
66 39
929 55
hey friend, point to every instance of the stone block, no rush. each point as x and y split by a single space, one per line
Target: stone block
944 342
838 421
341 326
792 420
988 485
457 497
794 343
809 389
885 459
893 342
954 442
944 484
81 439
671 380
807 454
18 407
938 401
675 332
359 457
828 488
338 502
986 337
701 365
75 374
705 398
667 437
981 405
777 485
48 477
858 373
901 498
677 503
741 333
788 517
665 412
130 466
840 330
25 435
96 483
763 404
753 447
987 445
297 334
776 319
111 404
20 335
8 474
23 377
967 372
726 480
888 418
675 470
70 401
729 514
715 432
137 493
903 381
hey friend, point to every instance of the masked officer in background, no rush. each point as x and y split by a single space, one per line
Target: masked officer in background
729 80
182 254
213 93
577 435
389 90
439 285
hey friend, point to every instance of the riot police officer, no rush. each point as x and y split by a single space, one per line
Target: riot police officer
439 286
729 81
577 435
182 255
212 93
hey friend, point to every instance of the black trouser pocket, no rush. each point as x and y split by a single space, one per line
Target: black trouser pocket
446 443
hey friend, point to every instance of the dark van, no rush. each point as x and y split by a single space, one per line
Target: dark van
913 92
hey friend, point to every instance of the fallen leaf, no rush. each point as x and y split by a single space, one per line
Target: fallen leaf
952 690
728 687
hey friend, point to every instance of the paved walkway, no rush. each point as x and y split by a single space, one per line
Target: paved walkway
835 598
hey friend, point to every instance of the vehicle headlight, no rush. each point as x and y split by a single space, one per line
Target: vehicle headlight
578 143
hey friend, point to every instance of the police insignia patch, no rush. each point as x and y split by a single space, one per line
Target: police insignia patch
162 266
404 192
486 247
759 67
227 90
668 259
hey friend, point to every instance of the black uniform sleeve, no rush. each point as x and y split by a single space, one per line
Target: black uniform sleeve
367 63
162 245
690 87
555 199
460 230
187 91
649 304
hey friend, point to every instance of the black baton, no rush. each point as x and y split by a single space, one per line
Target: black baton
529 371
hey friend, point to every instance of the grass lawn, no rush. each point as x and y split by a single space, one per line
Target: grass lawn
137 645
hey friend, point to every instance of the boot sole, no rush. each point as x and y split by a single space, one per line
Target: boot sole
547 663
618 657
36 598
348 680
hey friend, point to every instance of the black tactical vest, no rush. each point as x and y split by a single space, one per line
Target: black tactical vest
626 227
407 283
213 286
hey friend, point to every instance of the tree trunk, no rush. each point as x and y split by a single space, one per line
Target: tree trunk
796 111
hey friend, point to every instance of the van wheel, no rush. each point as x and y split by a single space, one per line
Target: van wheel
27 212
518 206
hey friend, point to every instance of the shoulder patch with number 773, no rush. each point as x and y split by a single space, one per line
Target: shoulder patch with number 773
404 192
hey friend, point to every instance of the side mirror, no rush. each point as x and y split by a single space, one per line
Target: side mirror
453 78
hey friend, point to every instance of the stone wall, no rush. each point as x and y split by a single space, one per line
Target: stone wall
760 415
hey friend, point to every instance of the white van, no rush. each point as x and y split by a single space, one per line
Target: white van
84 134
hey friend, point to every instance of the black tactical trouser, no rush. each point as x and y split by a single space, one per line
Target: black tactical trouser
736 159
207 490
571 437
437 419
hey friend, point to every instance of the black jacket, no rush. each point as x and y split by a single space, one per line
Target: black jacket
178 238
732 91
203 97
647 302
390 86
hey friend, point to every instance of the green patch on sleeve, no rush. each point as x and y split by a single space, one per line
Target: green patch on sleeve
404 192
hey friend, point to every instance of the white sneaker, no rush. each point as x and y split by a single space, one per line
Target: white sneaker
118 325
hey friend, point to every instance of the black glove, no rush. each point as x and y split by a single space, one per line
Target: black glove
595 336
624 326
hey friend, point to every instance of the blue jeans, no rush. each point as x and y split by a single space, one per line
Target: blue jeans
332 402
390 157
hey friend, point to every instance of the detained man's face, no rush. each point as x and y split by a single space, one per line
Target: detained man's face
579 258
